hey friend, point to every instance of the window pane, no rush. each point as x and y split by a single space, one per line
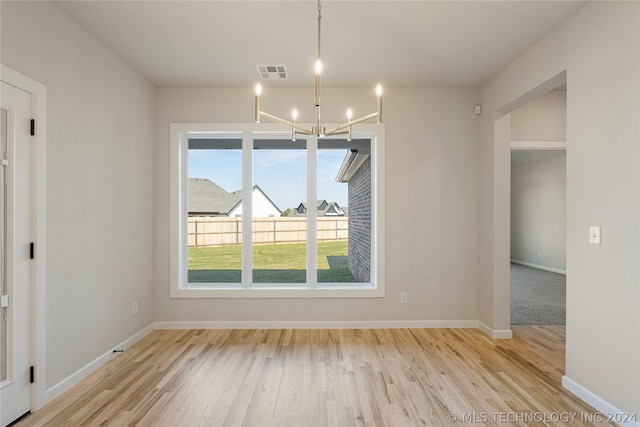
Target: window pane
279 191
344 211
214 229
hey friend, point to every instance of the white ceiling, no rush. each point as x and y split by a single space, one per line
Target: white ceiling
444 44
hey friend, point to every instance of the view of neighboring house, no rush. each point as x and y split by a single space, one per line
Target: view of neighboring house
206 198
323 208
356 172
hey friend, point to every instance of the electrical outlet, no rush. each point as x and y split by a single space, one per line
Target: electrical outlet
134 308
403 297
594 235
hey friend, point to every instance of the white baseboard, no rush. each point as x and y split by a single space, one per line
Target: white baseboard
89 368
495 333
608 410
337 324
540 267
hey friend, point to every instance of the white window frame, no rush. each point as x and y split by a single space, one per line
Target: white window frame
178 188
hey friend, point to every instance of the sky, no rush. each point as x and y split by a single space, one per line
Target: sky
281 174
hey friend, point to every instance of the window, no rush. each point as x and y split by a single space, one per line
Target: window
316 210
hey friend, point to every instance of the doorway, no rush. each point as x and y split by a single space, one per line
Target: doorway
507 136
538 237
538 199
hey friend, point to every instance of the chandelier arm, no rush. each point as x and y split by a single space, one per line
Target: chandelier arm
286 122
342 132
351 123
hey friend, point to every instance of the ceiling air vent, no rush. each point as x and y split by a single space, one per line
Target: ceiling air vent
273 72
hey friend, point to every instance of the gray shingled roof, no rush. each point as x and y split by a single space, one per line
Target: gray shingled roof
205 196
323 208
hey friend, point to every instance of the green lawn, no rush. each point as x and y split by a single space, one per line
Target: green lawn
280 263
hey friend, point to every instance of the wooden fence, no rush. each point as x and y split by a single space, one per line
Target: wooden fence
217 231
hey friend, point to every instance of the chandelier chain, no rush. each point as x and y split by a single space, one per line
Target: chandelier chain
319 26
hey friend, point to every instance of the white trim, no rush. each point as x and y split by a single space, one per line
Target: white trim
281 290
539 267
92 366
378 268
312 219
247 209
498 334
539 145
607 409
38 93
319 324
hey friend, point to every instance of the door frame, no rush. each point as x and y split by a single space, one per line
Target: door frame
37 341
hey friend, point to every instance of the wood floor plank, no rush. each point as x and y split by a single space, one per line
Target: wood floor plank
383 377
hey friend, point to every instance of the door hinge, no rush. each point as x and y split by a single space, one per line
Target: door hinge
33 127
32 250
32 374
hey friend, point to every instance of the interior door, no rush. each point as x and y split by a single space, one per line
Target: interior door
15 253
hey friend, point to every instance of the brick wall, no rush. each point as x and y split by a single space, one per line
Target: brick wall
360 223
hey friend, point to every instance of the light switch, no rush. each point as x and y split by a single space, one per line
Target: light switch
4 301
594 235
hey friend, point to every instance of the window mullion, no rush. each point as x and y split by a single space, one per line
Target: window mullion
247 210
312 217
184 210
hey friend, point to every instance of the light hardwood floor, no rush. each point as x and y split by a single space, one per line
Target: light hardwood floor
382 377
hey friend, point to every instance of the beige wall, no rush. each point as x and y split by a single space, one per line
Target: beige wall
431 183
538 208
544 118
598 47
99 184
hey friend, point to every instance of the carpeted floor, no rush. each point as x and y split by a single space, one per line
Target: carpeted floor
538 297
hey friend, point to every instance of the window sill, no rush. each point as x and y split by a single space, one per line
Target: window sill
276 290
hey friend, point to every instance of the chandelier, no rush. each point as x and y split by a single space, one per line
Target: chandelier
318 129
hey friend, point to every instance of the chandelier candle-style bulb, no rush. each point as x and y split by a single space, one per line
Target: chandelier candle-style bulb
349 117
258 93
316 94
379 95
294 117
